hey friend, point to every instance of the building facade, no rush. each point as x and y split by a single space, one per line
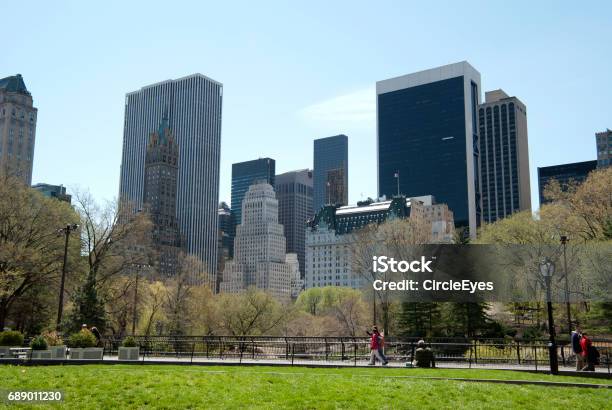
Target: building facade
330 171
504 156
575 172
604 148
162 163
17 129
244 174
193 107
294 191
331 235
53 191
225 238
260 259
427 138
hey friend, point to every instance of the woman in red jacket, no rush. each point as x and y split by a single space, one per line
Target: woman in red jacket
585 345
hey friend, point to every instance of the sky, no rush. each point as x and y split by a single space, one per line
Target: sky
296 71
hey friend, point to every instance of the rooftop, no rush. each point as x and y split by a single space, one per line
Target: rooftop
14 84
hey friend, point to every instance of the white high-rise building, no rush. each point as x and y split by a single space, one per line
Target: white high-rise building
259 248
193 107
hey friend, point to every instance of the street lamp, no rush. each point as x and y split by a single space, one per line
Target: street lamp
564 240
66 232
547 269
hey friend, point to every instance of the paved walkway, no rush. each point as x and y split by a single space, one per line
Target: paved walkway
345 363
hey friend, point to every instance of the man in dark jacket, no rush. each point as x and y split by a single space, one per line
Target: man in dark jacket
576 336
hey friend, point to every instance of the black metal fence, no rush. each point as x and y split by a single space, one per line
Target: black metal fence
470 352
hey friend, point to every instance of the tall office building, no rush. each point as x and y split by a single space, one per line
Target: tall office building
604 148
244 174
504 156
260 259
427 136
193 106
575 172
330 173
162 163
17 129
294 194
53 191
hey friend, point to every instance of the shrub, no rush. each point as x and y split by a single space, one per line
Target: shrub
38 343
129 342
53 338
84 338
11 338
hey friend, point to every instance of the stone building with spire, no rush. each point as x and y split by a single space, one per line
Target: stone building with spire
159 198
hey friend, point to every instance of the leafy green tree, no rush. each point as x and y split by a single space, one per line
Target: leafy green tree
419 319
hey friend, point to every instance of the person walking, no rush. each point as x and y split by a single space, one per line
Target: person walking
586 345
576 336
376 347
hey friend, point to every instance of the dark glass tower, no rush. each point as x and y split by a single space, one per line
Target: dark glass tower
428 138
160 183
244 174
294 194
576 172
330 174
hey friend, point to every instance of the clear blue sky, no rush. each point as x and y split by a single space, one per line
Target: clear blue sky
295 71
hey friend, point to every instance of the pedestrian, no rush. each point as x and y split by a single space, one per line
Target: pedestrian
576 336
375 347
586 345
423 356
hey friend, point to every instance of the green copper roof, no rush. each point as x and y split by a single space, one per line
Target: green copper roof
348 219
14 84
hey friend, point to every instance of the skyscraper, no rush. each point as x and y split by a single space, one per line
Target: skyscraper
504 156
259 248
330 173
604 148
575 172
159 198
17 129
193 106
294 194
427 135
244 174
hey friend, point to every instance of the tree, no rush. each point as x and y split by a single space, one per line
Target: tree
419 319
30 250
253 312
113 241
401 239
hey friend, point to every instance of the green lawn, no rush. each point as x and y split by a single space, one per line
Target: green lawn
138 386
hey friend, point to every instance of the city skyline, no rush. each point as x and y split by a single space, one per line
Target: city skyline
329 102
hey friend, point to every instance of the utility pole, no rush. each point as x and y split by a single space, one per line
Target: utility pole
397 180
66 232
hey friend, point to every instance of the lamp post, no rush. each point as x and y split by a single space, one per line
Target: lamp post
564 240
66 232
547 269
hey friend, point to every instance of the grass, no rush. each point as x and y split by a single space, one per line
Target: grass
165 386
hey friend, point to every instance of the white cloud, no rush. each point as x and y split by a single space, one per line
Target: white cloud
358 106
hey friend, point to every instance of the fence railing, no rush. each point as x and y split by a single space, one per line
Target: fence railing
472 352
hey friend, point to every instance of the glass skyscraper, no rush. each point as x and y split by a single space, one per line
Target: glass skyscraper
330 173
294 194
193 107
427 134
